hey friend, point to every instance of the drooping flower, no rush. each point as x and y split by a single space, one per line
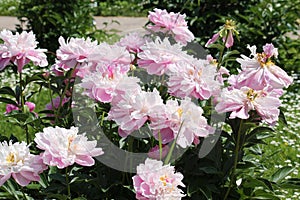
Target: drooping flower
64 147
105 83
182 123
20 49
133 42
18 162
259 71
159 56
227 32
241 101
170 23
132 111
157 181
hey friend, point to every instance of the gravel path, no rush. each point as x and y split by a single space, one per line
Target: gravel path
121 25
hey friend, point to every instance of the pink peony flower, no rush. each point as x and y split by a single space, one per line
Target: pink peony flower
259 71
193 80
17 161
75 52
159 56
157 181
170 23
182 122
20 49
111 54
64 147
106 83
240 101
132 111
132 42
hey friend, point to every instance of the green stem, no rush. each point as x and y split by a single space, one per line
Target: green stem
21 92
64 93
168 158
24 196
22 106
68 183
222 52
27 134
236 157
160 145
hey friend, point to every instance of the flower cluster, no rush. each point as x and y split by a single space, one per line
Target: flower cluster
257 87
157 181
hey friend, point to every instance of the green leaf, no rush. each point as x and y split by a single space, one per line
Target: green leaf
258 133
217 46
281 173
292 183
8 91
8 101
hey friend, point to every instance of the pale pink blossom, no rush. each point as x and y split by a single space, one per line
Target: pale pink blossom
170 23
193 80
241 101
111 54
259 71
106 83
182 123
16 161
155 181
64 147
133 42
132 111
159 56
75 52
20 49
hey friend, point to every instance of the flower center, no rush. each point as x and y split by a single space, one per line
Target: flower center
180 111
251 95
11 158
229 24
163 179
263 60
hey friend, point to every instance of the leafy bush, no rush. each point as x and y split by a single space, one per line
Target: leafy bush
261 21
131 8
51 19
9 7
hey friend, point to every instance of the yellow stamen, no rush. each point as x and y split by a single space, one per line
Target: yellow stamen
11 158
251 94
180 111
